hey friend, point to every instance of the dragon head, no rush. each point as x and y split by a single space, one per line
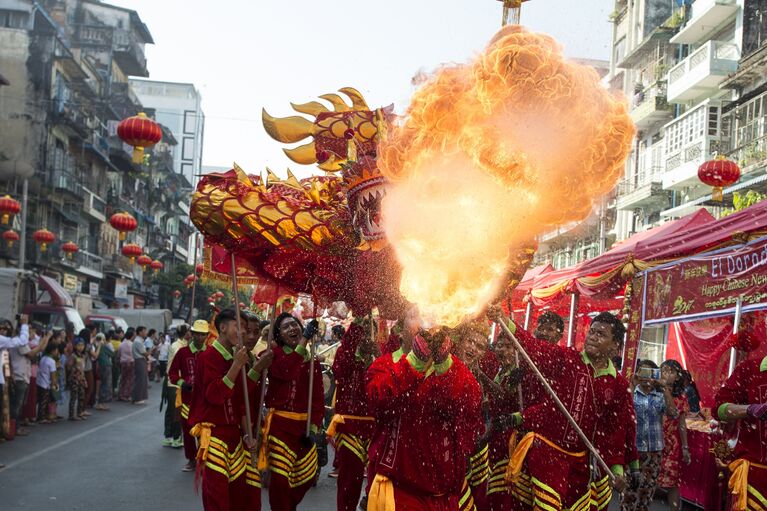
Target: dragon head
344 139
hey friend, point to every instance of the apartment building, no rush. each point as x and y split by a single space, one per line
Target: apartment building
68 64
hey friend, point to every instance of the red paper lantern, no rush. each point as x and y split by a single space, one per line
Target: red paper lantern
123 222
190 280
70 248
8 207
43 237
199 268
139 131
156 265
144 260
177 294
719 172
132 250
11 237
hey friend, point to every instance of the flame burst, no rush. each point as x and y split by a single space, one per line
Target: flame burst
490 154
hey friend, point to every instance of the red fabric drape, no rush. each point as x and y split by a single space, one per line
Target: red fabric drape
705 348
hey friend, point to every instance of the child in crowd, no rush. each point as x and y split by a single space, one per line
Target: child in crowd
46 382
76 381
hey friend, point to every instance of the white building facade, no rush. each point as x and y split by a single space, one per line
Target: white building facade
179 107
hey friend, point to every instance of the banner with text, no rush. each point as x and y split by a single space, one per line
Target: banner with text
707 285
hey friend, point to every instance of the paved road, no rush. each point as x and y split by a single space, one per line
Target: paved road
114 462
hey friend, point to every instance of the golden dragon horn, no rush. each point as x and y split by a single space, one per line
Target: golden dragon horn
311 108
339 105
288 129
304 154
357 100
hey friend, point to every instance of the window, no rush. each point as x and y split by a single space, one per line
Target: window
190 122
652 345
619 50
14 19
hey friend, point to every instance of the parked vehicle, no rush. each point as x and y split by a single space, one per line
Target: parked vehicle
159 319
106 322
40 297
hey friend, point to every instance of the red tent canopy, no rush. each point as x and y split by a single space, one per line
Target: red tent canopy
604 275
739 227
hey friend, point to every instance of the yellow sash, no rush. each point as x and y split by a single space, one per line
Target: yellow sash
178 397
201 431
518 452
341 419
381 497
738 483
263 450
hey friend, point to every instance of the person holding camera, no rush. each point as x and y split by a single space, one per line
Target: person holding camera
652 402
22 359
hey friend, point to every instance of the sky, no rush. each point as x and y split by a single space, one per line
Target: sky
245 55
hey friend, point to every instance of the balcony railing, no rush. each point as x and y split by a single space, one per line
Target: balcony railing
642 179
122 41
690 140
702 71
94 205
650 106
126 44
70 114
65 180
751 156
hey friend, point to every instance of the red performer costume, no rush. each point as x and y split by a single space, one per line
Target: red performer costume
743 397
229 480
549 466
182 374
429 422
616 445
504 403
289 455
472 348
352 425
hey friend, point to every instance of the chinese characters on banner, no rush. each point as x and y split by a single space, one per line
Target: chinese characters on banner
708 285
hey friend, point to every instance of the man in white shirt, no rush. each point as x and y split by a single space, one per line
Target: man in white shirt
22 359
9 341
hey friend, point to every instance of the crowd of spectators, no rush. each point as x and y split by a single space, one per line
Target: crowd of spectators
57 375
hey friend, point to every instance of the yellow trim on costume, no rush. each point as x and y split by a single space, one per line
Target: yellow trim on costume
179 401
231 464
355 444
263 452
341 419
381 496
466 502
601 493
738 483
479 467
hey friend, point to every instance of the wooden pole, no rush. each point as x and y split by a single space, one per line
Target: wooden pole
571 323
311 375
557 401
735 328
528 314
194 282
262 396
240 344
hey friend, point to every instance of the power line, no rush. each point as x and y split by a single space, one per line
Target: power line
162 111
